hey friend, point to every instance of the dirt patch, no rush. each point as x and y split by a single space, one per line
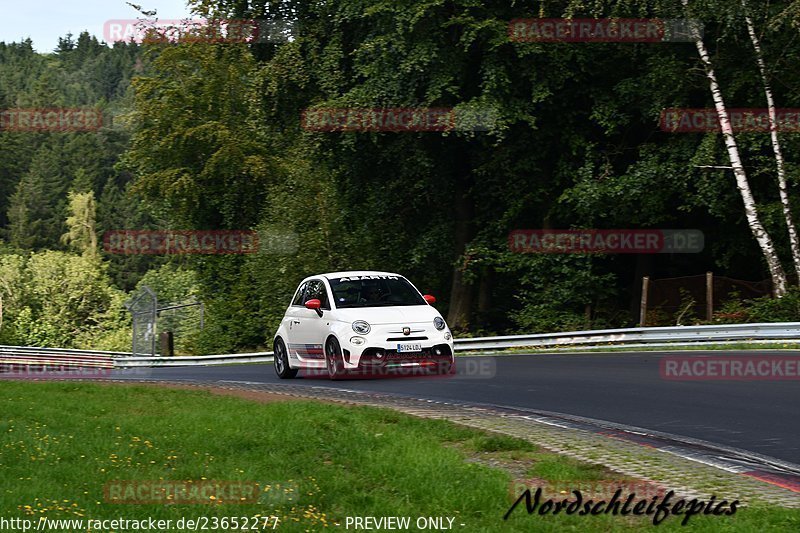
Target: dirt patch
501 460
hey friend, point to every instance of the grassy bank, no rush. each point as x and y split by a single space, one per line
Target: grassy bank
315 464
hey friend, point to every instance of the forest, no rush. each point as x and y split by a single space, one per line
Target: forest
212 135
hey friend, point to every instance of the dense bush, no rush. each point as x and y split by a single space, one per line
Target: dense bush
764 309
62 300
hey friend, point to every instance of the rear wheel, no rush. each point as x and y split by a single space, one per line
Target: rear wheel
281 358
334 359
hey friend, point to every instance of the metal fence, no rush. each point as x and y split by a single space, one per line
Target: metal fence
144 311
159 329
181 323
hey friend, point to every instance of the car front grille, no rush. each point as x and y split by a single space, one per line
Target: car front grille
438 352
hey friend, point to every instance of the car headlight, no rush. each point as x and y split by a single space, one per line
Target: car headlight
361 327
438 323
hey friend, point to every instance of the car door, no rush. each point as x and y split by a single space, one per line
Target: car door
292 320
309 335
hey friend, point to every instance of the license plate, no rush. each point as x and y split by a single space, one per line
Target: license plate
407 347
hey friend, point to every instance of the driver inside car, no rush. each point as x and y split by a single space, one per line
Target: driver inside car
371 294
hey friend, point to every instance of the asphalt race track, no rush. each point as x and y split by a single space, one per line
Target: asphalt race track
757 416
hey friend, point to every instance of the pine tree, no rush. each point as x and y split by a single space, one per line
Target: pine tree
25 229
36 209
82 183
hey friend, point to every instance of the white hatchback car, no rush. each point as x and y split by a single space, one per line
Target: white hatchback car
362 323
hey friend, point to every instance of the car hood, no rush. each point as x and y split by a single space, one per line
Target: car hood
389 315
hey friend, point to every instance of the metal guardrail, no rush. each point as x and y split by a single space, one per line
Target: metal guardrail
776 331
65 351
573 340
225 359
15 358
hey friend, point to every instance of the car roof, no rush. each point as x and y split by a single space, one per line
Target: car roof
353 273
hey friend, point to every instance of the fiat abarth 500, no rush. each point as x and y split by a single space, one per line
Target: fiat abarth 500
362 324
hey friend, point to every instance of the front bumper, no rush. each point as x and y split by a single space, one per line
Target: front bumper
381 357
378 350
382 353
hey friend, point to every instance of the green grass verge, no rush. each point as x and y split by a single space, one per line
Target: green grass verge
60 443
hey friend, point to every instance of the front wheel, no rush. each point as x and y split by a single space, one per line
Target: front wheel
334 359
281 358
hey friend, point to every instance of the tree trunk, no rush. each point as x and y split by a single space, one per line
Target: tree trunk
461 292
794 242
485 292
643 267
776 272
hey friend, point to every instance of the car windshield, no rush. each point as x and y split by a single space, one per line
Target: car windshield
374 291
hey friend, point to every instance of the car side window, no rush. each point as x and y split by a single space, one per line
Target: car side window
298 298
316 290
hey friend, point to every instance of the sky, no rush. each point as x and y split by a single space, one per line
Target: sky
44 21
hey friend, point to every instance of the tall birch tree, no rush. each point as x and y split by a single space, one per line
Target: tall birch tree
761 235
794 241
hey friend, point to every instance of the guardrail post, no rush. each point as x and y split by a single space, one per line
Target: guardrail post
643 306
167 344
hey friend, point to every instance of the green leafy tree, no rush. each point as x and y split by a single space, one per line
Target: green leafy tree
11 294
194 149
61 300
81 233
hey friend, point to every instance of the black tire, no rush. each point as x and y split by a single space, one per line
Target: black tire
281 360
334 360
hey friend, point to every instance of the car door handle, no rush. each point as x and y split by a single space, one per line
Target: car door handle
295 321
